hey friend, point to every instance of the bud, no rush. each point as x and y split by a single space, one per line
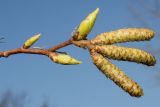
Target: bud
126 54
86 26
116 75
28 43
123 35
63 59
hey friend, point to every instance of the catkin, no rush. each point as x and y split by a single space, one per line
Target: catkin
63 59
28 43
86 26
126 54
123 35
116 75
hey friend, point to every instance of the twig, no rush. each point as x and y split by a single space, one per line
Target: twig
25 51
82 44
61 45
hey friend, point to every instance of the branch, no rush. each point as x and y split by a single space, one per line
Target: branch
81 33
25 51
35 51
100 49
82 44
61 45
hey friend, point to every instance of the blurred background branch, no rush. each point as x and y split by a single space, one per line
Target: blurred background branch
10 99
146 12
1 38
150 7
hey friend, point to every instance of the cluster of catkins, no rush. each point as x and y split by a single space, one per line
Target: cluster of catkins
102 50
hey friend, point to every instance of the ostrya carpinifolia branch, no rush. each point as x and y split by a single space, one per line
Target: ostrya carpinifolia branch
28 43
126 54
123 35
100 49
63 59
116 75
86 26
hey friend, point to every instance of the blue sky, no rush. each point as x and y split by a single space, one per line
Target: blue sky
76 85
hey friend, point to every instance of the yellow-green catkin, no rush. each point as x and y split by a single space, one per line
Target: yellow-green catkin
86 26
63 59
124 35
126 54
28 43
116 75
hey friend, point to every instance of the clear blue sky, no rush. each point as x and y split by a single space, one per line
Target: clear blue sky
70 86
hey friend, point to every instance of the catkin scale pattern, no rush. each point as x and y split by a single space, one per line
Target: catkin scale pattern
123 35
126 54
116 75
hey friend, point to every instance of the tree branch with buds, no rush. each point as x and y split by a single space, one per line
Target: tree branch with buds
101 49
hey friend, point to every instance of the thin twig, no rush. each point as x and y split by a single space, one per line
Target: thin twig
61 45
82 44
35 51
21 50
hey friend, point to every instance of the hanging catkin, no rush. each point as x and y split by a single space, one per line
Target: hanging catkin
126 54
116 75
123 35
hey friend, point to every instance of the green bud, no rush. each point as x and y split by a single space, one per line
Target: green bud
116 75
63 59
123 35
28 43
126 54
86 26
